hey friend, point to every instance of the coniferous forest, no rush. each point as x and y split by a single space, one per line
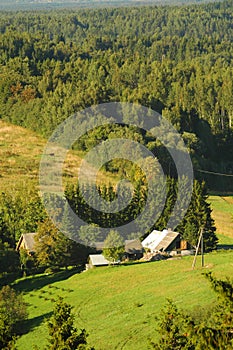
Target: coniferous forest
176 60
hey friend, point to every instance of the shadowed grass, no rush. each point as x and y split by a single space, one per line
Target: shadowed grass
117 305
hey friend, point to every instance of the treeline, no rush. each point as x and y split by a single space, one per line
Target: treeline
198 214
176 60
24 212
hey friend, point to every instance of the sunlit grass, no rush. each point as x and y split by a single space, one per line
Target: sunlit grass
118 305
223 214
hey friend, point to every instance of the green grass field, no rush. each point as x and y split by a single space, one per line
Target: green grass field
223 214
118 305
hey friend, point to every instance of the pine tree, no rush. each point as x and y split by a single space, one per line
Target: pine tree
210 330
63 334
199 217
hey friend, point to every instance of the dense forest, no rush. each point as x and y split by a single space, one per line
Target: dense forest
176 60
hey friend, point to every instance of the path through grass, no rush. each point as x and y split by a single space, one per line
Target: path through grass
118 305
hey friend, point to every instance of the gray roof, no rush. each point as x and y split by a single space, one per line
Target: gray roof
98 260
28 239
133 246
98 245
167 240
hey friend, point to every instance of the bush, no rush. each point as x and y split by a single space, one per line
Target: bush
12 311
210 330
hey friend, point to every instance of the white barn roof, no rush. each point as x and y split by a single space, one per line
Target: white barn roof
153 239
98 260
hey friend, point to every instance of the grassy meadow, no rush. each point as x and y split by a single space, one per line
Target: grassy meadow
222 207
20 155
118 305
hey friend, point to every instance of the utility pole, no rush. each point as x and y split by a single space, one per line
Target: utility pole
200 240
202 250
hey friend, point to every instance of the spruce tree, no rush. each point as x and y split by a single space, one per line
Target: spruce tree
63 334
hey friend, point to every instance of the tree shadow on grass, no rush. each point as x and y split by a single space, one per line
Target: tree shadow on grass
28 325
37 282
225 247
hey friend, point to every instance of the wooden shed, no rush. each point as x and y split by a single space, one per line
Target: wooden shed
96 260
133 249
27 242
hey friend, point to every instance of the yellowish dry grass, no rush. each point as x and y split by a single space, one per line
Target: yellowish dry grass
20 155
223 214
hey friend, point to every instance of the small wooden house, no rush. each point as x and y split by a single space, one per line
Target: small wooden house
167 241
96 260
27 242
133 249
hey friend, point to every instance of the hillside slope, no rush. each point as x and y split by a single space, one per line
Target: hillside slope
20 154
118 305
20 151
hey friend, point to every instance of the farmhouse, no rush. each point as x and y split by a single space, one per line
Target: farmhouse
27 242
166 241
133 249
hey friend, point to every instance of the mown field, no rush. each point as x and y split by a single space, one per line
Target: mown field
118 305
20 155
223 215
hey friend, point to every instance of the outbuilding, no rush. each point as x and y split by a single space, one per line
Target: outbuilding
97 260
27 242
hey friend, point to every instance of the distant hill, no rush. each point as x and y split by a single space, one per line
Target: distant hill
20 154
53 4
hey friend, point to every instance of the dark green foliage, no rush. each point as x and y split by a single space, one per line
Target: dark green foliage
113 246
27 261
63 334
12 311
198 215
173 325
20 213
90 234
9 259
53 249
176 60
213 330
